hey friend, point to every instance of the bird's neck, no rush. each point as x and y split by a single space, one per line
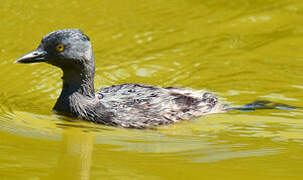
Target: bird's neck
83 84
78 88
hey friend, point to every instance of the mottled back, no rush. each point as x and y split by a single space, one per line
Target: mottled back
139 106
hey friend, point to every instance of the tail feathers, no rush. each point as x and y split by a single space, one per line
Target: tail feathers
263 104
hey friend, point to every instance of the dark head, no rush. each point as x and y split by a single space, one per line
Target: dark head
68 49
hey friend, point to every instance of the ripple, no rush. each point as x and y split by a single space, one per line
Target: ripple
237 154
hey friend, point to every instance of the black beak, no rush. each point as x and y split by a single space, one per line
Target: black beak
35 56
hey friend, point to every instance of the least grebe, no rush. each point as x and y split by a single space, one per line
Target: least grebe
126 105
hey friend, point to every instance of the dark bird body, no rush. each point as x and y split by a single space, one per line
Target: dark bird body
126 105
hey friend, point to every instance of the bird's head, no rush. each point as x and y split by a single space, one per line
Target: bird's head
69 49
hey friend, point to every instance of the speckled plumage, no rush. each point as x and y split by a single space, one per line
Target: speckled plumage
126 105
136 105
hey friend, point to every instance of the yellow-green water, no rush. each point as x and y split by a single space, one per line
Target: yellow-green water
242 50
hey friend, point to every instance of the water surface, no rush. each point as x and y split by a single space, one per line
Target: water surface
242 50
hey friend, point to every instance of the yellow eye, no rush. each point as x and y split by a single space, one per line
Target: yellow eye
60 48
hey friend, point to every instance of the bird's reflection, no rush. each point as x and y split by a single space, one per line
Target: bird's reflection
75 159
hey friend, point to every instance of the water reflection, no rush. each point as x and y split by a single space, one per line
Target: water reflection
212 141
75 157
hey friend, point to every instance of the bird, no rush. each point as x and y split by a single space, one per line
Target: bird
126 105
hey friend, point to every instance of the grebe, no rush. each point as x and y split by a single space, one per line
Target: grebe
126 105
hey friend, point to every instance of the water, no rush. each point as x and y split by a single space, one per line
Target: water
241 50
